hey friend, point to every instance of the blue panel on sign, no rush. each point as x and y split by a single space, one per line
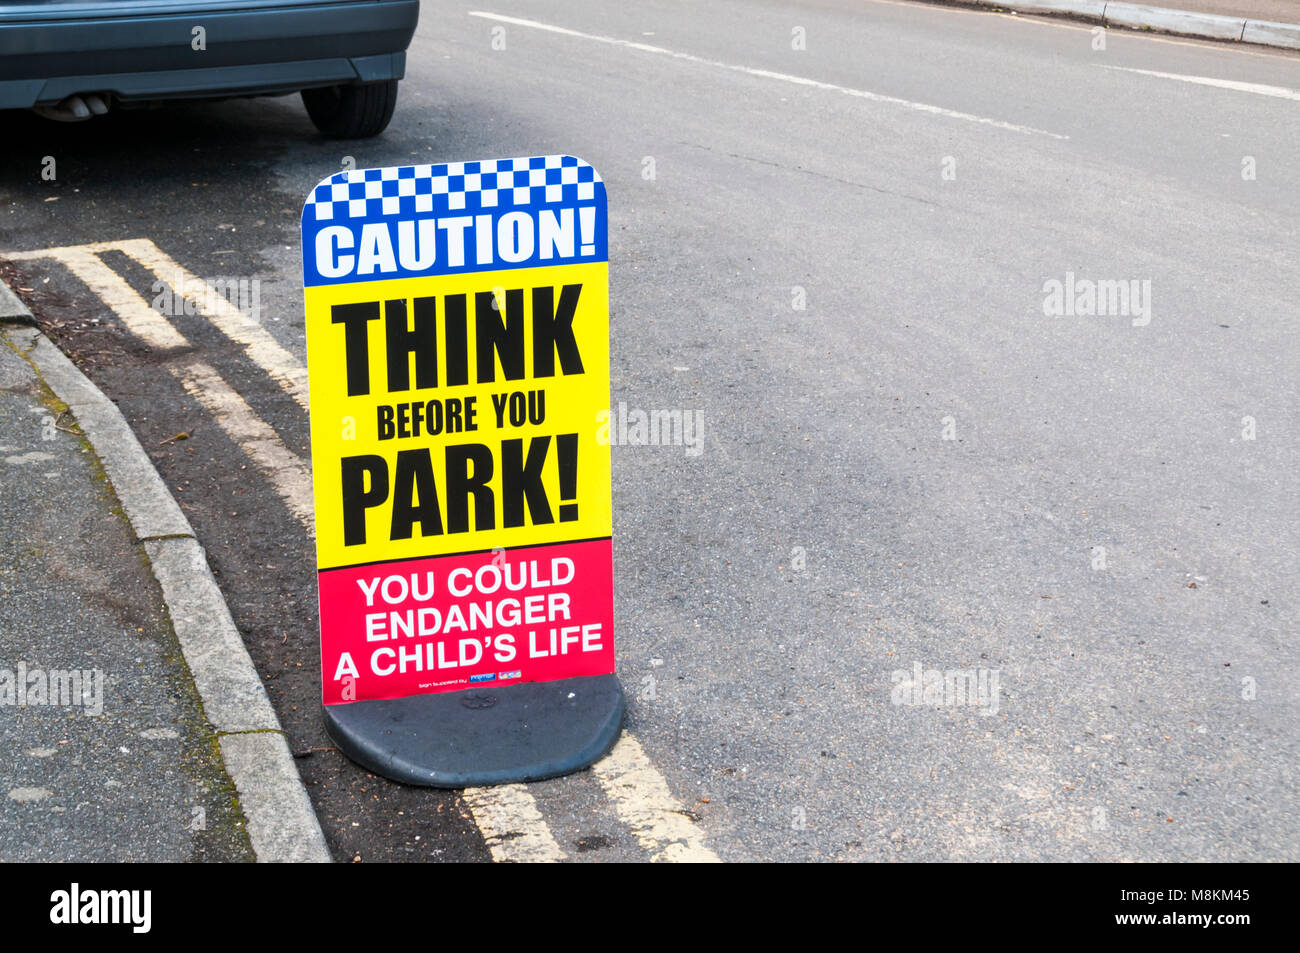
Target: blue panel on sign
406 221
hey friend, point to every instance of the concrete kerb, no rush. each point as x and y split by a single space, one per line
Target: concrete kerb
1268 33
12 310
1135 16
282 826
1185 23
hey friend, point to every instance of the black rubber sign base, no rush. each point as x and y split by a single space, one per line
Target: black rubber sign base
488 735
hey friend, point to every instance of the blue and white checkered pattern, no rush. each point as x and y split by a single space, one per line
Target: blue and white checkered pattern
489 185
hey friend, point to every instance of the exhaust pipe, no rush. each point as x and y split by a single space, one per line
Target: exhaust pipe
75 108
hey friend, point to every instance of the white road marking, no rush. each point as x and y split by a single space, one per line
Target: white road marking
281 466
642 799
770 74
512 826
507 815
1259 89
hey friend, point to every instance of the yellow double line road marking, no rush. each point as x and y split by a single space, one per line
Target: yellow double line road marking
507 815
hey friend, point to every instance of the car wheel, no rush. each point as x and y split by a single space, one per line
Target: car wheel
352 111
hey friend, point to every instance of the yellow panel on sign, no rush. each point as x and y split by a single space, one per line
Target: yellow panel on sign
458 413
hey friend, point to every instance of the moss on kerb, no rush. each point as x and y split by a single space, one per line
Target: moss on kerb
230 824
59 407
252 731
226 824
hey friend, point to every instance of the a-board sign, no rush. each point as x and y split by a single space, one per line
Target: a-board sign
458 357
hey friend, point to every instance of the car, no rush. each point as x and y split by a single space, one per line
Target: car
71 60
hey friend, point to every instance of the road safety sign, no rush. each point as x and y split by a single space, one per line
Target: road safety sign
458 358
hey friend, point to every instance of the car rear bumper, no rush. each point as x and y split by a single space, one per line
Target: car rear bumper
147 51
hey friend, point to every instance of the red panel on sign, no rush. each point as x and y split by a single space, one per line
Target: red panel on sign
448 623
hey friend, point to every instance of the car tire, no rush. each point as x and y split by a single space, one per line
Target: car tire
354 111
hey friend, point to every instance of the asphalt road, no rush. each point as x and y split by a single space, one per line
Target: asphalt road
919 466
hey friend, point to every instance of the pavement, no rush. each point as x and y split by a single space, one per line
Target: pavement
108 755
840 255
1270 23
1276 11
1189 17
